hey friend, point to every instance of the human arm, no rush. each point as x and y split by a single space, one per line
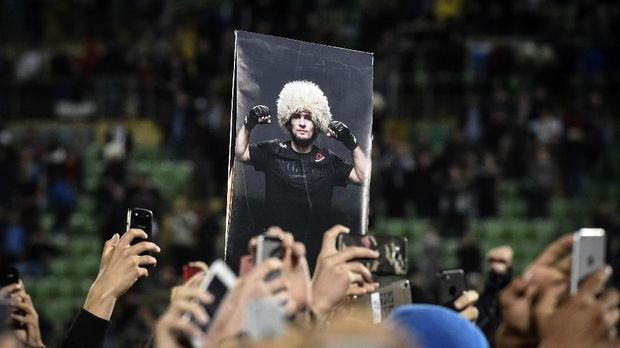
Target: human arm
121 266
259 114
29 332
185 299
517 300
361 167
228 320
587 319
337 274
499 260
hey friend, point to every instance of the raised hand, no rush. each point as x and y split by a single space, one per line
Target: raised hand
338 275
121 266
260 114
342 133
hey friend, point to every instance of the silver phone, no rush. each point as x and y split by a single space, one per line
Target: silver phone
588 255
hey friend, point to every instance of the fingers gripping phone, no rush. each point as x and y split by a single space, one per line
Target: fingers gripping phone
588 255
392 250
450 285
218 280
268 247
143 219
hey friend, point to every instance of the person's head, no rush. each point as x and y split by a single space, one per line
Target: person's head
303 110
301 127
432 326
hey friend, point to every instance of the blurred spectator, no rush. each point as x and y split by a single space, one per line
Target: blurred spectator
9 167
118 146
396 165
455 203
425 181
182 127
486 186
29 65
540 183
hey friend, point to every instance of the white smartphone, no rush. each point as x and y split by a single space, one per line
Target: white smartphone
218 280
588 255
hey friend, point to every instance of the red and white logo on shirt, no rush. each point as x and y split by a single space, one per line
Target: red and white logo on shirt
319 157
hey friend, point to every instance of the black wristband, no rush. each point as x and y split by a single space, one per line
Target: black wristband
350 142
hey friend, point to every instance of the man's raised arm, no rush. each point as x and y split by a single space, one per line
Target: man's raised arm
361 167
259 114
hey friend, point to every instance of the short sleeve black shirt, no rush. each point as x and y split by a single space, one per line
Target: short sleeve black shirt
299 187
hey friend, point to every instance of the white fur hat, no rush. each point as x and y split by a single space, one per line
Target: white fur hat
297 96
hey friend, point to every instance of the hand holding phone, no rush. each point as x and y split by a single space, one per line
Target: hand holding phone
392 250
588 255
10 275
218 280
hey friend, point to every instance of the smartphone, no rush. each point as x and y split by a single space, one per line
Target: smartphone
588 255
450 285
9 275
389 297
392 250
268 247
218 280
190 271
143 219
378 305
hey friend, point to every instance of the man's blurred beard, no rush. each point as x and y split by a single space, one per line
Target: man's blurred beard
302 142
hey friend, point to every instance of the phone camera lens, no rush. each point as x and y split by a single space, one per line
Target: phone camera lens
135 214
148 215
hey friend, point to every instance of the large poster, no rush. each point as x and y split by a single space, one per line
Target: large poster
301 128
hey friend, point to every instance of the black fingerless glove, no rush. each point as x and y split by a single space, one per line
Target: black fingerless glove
251 119
343 134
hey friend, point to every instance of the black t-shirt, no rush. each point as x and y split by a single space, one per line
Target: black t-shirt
298 189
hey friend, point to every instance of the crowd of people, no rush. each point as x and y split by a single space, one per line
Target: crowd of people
525 90
532 310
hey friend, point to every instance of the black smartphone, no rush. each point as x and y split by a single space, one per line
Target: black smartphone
10 275
450 285
392 250
268 247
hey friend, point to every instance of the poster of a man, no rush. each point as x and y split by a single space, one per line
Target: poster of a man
316 175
